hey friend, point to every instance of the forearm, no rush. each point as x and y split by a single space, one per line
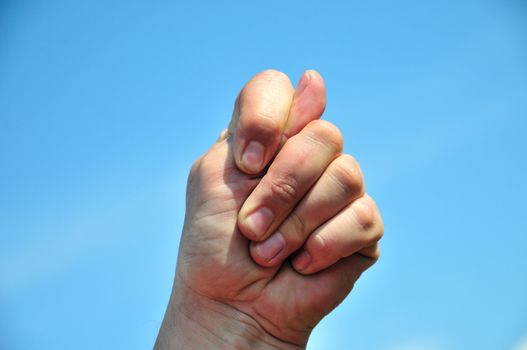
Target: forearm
194 322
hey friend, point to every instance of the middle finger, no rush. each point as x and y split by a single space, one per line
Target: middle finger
295 169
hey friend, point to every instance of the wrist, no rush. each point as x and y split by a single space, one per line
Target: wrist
193 321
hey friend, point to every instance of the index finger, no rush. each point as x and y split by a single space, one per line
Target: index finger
307 104
259 119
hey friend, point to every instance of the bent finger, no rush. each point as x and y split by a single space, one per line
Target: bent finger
355 229
339 185
259 118
301 161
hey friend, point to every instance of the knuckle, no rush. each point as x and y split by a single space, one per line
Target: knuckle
284 187
346 172
273 74
380 230
372 238
368 217
261 123
263 105
380 224
326 133
376 254
364 210
265 121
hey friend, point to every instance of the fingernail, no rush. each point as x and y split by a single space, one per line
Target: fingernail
303 83
302 261
253 156
270 248
259 221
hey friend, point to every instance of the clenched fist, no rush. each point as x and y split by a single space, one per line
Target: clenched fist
278 226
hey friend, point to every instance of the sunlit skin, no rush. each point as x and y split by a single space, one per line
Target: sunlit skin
278 225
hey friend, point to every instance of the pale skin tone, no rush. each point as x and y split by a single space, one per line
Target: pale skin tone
278 226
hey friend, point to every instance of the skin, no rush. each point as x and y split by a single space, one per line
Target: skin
278 226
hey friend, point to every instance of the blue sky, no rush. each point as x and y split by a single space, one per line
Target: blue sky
104 105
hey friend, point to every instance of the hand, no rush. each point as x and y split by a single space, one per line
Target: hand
278 226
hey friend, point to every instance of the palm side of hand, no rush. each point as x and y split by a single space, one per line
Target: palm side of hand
214 260
318 204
